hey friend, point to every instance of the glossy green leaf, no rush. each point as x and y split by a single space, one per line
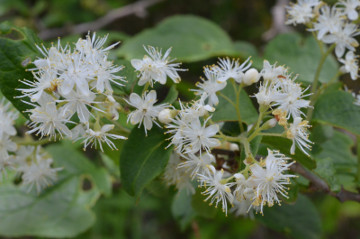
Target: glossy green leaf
301 55
336 108
143 158
283 145
62 210
17 50
300 220
225 111
192 39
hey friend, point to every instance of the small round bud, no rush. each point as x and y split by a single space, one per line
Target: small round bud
239 177
165 116
251 76
234 147
272 122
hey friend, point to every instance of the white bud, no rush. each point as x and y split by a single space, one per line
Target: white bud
251 76
239 177
272 122
165 116
234 147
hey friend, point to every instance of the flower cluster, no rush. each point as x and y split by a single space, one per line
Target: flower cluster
32 164
333 25
195 136
73 88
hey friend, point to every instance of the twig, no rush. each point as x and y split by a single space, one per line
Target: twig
321 185
138 8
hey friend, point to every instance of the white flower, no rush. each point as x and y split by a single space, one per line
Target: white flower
145 111
350 8
198 137
343 37
268 93
273 72
231 69
351 65
291 98
77 103
197 164
268 181
156 67
47 120
6 146
298 133
301 12
210 86
329 21
97 137
39 173
217 189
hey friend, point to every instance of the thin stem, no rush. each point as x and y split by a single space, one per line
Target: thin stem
272 134
30 142
315 83
227 99
238 113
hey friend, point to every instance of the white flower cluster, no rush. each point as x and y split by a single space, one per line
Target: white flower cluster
32 164
333 25
72 87
194 135
284 96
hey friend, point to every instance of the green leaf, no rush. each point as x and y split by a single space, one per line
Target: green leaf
336 108
62 210
143 158
302 56
192 38
225 111
335 161
172 95
17 50
181 209
300 220
283 145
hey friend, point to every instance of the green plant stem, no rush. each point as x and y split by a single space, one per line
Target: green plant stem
272 134
315 83
30 142
237 105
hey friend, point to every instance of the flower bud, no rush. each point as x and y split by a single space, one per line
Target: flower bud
166 115
234 147
251 76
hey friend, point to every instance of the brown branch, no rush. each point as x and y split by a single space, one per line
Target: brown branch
137 8
321 185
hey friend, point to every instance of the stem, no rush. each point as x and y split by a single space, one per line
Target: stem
238 113
272 134
316 81
227 99
29 141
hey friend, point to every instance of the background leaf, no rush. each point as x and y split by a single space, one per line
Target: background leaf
337 108
301 55
143 158
62 210
299 220
200 39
